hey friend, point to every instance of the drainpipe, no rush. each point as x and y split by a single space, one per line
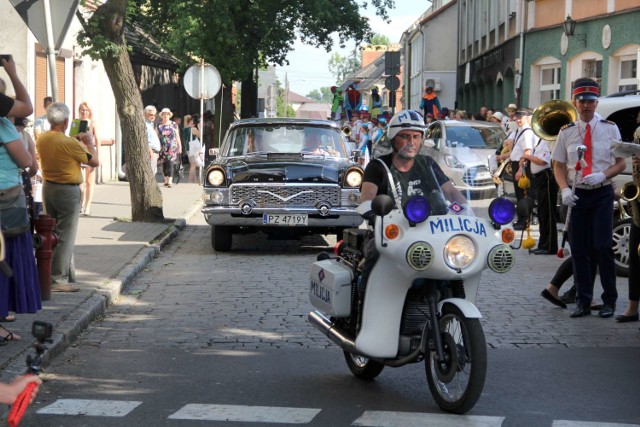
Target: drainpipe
518 93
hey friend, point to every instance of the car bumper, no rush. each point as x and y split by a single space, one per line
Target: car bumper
475 193
232 216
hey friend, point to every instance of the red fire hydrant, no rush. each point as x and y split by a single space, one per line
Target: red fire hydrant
44 241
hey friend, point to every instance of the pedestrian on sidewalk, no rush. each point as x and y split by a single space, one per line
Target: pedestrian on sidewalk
153 138
89 173
171 147
61 157
20 292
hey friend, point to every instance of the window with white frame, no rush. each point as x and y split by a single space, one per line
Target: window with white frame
628 74
549 82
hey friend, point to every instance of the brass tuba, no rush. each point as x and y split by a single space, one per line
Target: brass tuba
631 190
550 117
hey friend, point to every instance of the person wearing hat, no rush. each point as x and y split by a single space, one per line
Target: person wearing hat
171 146
509 120
522 141
591 218
496 117
430 102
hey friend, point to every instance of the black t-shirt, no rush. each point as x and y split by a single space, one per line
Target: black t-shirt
6 104
425 178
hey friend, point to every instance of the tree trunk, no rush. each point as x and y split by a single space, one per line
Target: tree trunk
146 197
249 104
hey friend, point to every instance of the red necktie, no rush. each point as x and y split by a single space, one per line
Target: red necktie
587 155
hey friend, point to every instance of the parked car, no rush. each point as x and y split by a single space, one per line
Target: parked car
284 177
623 108
462 148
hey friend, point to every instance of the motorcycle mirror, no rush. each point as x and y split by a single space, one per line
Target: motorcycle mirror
525 207
382 204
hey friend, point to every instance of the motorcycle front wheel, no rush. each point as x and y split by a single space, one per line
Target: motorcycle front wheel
362 367
456 383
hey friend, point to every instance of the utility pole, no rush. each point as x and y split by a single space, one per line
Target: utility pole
286 95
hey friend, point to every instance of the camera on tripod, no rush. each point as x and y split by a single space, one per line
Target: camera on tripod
42 332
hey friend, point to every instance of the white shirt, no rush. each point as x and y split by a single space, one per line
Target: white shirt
541 151
524 139
41 124
569 138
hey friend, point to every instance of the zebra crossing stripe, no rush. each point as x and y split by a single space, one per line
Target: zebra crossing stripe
241 413
567 423
93 408
419 419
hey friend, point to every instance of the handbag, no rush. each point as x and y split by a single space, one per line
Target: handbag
14 217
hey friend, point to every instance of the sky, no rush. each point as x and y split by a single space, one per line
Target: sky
308 66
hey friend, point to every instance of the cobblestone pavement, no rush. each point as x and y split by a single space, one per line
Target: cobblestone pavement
255 297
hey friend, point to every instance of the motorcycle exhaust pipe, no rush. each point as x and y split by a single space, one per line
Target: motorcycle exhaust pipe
324 325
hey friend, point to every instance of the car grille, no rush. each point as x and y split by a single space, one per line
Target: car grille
470 177
278 196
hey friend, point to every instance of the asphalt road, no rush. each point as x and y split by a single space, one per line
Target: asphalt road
202 338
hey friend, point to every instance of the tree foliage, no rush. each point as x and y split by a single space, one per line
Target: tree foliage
341 66
322 94
379 40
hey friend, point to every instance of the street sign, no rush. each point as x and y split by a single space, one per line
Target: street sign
202 81
392 83
33 14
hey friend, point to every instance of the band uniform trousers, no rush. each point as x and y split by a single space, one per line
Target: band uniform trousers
546 190
515 166
634 263
590 234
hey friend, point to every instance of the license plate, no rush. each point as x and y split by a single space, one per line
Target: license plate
285 219
483 175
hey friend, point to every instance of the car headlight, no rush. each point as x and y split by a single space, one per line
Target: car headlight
459 252
353 178
452 161
215 177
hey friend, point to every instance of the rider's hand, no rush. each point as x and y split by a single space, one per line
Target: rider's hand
594 178
568 198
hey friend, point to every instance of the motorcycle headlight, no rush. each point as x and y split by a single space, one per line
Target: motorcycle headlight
353 178
215 177
452 161
502 211
459 252
417 209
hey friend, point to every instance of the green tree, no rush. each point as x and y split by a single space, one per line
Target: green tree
322 94
341 66
379 39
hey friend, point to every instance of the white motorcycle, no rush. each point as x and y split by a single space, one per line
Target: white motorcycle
418 303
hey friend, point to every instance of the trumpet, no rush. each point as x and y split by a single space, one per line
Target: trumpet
346 130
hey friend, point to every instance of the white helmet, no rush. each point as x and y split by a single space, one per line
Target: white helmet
405 119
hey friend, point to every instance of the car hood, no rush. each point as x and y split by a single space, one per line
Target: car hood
470 156
282 169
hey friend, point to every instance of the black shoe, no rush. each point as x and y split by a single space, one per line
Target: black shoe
541 252
621 318
607 311
581 311
597 307
569 297
553 300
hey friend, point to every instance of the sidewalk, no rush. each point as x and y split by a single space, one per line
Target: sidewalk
110 250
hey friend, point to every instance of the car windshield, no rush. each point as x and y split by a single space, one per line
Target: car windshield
284 138
474 136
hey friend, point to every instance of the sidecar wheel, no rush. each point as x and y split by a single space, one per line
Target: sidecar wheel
362 367
457 383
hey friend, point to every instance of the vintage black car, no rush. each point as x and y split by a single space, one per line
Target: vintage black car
285 177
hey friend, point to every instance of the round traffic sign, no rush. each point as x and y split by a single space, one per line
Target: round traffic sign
202 81
392 83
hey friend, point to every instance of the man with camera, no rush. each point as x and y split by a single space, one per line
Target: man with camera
60 158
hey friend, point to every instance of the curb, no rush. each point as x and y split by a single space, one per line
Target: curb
96 304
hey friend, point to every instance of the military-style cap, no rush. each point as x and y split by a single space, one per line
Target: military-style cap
523 112
586 88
